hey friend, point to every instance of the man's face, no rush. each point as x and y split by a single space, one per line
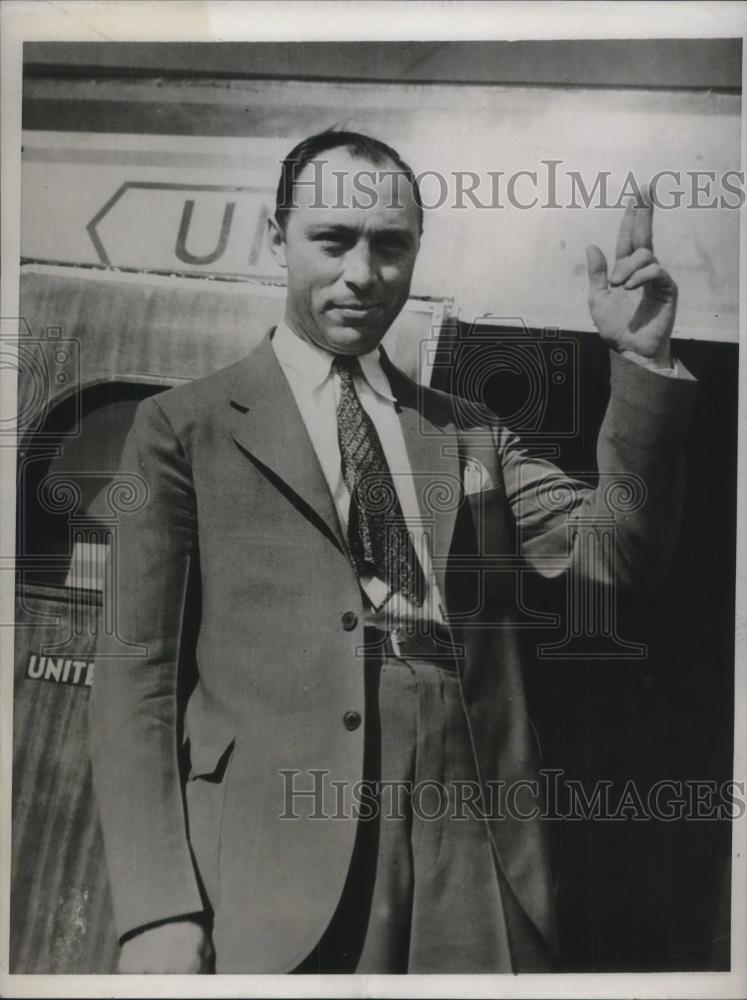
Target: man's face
349 262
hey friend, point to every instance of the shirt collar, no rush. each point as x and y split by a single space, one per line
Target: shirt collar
312 364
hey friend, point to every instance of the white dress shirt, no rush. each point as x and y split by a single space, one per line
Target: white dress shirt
316 389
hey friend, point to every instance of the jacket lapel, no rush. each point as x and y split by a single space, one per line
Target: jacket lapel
267 425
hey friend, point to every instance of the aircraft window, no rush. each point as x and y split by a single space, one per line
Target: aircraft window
64 514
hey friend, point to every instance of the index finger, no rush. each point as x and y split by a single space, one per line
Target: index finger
624 246
643 224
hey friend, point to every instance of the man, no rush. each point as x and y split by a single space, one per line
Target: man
323 572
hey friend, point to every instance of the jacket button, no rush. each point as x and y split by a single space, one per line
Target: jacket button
351 720
349 621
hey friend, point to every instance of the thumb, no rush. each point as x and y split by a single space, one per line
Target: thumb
596 265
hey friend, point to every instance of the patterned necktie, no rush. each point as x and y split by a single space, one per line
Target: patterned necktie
379 541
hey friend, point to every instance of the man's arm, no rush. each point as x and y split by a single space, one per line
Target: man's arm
624 531
133 714
634 514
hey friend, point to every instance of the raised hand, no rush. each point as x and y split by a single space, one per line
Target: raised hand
634 308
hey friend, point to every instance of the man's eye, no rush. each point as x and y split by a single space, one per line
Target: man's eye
330 243
392 248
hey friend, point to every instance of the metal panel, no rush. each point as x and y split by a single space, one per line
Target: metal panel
61 918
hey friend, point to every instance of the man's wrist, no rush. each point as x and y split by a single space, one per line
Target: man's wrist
198 918
663 362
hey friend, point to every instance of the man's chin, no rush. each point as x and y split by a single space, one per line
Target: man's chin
354 339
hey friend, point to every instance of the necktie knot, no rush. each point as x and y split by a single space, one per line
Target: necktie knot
346 366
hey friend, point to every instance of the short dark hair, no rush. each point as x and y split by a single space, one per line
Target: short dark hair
363 147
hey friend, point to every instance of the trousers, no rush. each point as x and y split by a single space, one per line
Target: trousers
424 892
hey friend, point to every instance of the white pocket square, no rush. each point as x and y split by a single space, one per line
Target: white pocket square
476 477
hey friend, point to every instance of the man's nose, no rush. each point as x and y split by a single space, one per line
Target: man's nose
360 270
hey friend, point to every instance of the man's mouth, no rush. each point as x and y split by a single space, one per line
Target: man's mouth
356 313
355 307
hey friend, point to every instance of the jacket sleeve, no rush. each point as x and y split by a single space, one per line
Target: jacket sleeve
622 532
133 717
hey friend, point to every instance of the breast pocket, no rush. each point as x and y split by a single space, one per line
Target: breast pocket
207 782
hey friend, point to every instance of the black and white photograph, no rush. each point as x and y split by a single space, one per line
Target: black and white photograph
371 523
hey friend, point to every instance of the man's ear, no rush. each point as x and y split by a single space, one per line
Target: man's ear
276 241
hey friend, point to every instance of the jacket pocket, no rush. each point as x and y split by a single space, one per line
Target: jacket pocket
205 803
208 758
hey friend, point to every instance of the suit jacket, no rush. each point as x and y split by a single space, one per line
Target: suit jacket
239 629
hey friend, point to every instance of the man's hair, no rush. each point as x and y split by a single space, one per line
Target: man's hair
362 147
